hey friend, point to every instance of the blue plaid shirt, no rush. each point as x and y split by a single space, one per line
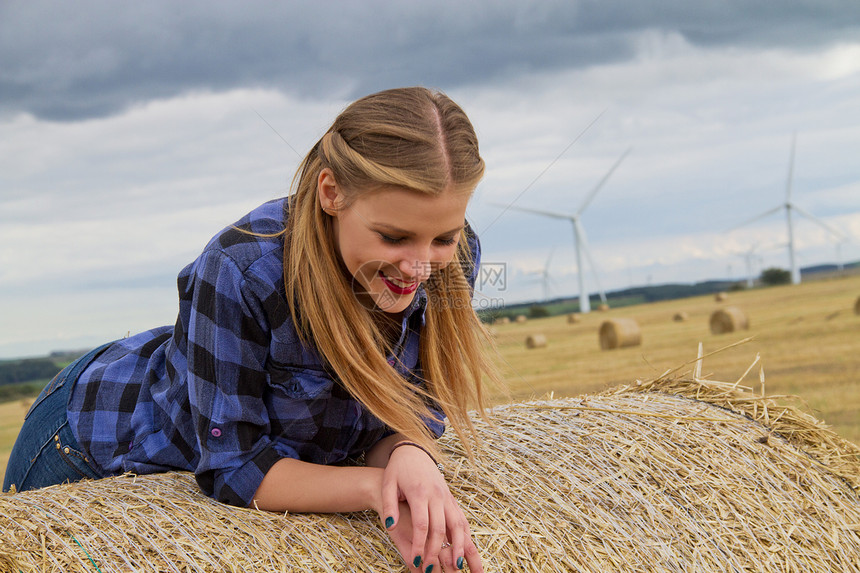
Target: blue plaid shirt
229 390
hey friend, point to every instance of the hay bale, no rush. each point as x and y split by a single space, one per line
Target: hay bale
502 320
573 318
857 306
521 318
681 316
728 319
619 333
603 307
636 479
721 297
535 341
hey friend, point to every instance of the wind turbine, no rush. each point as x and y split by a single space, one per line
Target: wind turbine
751 256
790 206
544 276
580 242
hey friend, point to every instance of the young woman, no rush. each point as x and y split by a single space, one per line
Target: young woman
329 325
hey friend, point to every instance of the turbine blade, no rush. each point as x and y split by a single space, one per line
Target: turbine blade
548 259
535 211
603 181
815 219
757 217
790 169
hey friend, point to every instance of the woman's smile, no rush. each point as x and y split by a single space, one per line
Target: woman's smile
398 286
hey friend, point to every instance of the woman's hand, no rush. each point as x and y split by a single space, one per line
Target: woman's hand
422 516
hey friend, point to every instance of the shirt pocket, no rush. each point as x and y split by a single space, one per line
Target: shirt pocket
300 398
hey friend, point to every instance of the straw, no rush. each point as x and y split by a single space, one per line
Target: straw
660 475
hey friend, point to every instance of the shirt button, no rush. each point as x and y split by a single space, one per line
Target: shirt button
216 432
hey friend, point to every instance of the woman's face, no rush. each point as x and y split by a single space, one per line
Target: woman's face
392 239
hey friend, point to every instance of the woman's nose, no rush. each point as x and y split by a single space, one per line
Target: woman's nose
417 266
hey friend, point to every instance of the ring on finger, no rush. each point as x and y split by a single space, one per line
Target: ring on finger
445 545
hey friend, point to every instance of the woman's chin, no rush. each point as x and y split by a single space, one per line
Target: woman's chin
391 303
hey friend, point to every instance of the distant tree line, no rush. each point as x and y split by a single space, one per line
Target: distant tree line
27 370
775 276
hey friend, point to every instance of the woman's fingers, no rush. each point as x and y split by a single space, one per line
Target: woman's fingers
390 513
435 537
471 556
420 528
428 517
458 531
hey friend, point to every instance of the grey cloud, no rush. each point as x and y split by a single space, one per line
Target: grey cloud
66 61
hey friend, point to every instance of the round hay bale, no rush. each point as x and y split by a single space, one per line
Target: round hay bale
631 480
573 318
728 319
536 341
603 307
619 333
721 297
857 306
521 318
680 316
502 320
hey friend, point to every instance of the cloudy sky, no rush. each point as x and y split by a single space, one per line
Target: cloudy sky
132 132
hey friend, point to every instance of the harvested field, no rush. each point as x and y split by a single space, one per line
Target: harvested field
667 475
807 336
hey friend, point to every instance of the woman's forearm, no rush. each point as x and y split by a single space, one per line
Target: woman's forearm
302 487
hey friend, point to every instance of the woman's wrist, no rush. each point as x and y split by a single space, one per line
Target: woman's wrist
380 453
371 487
412 444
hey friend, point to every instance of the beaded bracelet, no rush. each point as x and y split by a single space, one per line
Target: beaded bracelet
420 447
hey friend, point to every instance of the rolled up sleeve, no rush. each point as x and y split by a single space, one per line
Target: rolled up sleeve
227 350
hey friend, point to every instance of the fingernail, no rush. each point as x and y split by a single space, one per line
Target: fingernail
429 569
459 562
389 521
417 561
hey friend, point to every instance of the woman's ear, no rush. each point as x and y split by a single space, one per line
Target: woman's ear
328 192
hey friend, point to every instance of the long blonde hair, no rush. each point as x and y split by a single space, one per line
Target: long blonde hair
419 140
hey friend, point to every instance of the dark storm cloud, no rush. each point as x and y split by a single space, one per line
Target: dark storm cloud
66 61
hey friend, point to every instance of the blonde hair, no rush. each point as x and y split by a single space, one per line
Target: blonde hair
418 140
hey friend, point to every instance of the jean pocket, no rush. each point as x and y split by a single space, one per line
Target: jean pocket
77 460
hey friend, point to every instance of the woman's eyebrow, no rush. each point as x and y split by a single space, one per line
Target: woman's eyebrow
405 233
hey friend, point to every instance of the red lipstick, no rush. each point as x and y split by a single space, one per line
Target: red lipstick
397 289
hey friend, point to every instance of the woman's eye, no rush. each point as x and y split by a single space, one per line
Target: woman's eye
449 241
391 240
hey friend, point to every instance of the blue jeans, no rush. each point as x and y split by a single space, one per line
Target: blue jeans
46 452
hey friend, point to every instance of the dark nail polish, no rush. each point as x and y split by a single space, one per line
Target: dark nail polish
429 569
459 562
417 561
389 521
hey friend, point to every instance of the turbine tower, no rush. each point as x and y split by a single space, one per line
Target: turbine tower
790 206
580 242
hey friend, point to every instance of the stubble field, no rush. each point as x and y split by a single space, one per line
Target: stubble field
807 337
